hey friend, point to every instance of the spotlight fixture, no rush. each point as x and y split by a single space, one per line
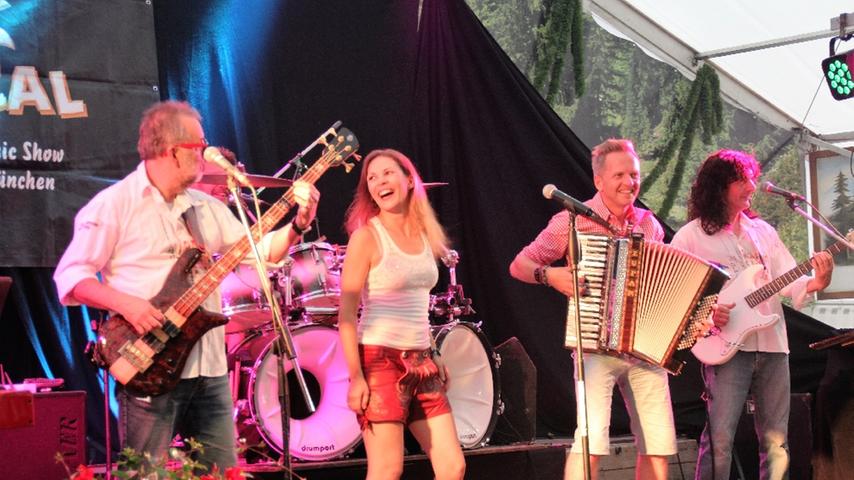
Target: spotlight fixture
837 71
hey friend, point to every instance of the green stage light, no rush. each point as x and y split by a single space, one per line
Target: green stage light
837 72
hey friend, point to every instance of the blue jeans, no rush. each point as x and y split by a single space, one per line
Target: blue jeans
766 376
198 408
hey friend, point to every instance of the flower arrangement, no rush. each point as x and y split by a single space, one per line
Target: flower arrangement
180 465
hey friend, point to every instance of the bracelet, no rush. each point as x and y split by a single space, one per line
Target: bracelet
540 275
299 231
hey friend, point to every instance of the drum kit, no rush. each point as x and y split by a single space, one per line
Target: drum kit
313 273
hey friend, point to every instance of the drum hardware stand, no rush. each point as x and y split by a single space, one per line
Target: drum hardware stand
454 302
572 260
284 344
322 271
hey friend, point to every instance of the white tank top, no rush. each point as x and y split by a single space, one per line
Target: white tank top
396 296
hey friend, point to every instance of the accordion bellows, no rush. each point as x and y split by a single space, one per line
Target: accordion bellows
645 299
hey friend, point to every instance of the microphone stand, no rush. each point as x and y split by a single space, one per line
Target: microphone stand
572 260
297 160
284 344
830 232
91 351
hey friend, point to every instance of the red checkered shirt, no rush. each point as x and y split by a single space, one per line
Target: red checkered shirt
550 245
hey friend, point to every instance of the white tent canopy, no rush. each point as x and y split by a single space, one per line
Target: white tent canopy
782 85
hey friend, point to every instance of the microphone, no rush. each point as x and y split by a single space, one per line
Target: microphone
552 193
213 155
566 201
769 187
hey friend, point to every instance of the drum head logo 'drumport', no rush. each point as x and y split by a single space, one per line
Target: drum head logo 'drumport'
26 88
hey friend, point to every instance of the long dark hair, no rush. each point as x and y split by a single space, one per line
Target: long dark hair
708 198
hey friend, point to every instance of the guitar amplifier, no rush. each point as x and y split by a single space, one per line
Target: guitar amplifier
41 426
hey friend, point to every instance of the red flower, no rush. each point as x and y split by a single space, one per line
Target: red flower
84 473
233 473
207 477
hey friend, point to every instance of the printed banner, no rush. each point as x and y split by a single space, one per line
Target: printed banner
75 76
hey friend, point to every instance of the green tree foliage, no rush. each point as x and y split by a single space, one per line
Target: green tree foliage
512 24
702 111
786 171
562 26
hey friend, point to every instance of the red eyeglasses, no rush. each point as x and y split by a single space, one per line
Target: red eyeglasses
200 146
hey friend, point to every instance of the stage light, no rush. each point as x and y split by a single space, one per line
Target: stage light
837 72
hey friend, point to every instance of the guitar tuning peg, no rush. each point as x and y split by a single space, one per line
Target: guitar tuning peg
348 167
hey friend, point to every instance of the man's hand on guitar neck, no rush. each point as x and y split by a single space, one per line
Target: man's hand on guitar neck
306 196
822 264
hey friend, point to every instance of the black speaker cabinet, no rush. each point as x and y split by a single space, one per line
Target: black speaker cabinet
800 441
57 426
519 394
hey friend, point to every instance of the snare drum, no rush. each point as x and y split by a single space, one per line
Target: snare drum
316 277
330 432
475 388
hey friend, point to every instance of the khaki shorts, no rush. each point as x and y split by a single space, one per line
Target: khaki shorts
646 392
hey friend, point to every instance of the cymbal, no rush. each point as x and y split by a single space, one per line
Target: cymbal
246 198
256 180
429 185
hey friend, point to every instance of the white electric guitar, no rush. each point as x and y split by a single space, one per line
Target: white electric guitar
751 312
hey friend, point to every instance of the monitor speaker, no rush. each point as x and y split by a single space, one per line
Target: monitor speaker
518 375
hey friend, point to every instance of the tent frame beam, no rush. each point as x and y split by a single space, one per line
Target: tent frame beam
822 144
751 47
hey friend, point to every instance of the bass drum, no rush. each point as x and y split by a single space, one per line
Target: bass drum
475 388
330 432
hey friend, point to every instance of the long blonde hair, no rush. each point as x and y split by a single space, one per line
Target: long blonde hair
420 215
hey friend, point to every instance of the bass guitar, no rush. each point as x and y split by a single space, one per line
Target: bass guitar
151 364
751 312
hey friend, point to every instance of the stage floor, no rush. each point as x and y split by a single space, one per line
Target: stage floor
541 459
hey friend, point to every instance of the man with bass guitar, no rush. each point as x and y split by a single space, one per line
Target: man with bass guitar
132 234
723 229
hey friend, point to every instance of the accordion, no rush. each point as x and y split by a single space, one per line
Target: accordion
645 299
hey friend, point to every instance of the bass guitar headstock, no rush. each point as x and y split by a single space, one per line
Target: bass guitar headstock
341 146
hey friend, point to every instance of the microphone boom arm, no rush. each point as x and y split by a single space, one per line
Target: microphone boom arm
332 131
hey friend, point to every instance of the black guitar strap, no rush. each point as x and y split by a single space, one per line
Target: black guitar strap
192 224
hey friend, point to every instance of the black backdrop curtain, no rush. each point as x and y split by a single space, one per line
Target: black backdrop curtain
269 77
